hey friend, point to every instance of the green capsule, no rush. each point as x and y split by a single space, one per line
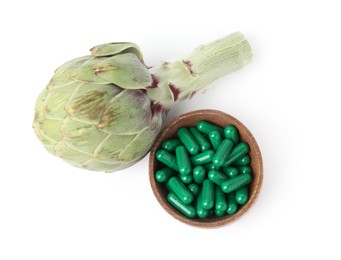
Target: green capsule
237 152
245 169
236 182
168 159
202 158
184 162
206 127
219 213
217 177
215 139
180 189
231 133
220 200
222 152
232 206
186 178
230 171
202 141
187 210
170 144
242 195
199 174
207 194
201 212
188 140
194 188
210 166
245 160
164 174
168 187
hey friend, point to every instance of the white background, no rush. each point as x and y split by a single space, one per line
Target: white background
289 98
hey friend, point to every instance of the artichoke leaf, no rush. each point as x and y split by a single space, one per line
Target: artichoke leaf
110 148
114 48
124 70
51 128
86 72
41 100
86 137
88 101
72 64
127 113
44 139
70 153
54 106
142 143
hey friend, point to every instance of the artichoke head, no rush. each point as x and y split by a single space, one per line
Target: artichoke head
103 112
95 112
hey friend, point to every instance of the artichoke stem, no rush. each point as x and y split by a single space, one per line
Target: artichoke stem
180 79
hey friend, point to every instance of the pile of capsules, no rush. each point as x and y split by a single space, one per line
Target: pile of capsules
206 170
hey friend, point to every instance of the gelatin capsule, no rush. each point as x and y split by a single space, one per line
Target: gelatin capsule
232 206
219 213
199 174
182 157
170 144
180 189
245 160
236 182
217 177
230 171
201 212
164 174
210 166
222 153
187 210
186 178
194 188
207 194
237 152
168 187
206 127
202 141
245 169
215 139
188 140
220 200
202 158
231 133
167 158
242 195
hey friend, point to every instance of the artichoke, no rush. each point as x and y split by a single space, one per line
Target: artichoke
102 112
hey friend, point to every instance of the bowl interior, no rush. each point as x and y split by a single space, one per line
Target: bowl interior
191 119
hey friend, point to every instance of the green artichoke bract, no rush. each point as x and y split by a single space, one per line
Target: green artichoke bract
103 111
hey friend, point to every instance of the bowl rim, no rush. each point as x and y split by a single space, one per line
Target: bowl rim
258 178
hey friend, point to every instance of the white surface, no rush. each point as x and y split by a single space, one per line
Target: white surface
288 97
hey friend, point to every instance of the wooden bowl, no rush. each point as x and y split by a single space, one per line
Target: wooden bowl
191 119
